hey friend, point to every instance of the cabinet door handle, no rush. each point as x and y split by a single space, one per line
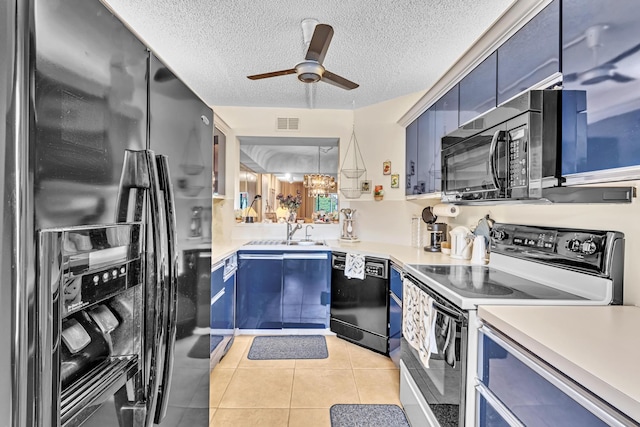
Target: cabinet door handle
564 384
217 296
261 256
306 256
496 404
395 298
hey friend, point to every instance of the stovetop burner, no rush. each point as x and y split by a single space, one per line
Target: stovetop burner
471 281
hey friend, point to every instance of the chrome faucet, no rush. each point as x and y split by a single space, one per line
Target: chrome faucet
307 235
291 230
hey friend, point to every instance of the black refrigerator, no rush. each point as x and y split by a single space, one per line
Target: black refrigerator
96 211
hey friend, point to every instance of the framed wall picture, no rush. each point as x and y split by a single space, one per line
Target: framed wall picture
395 180
386 167
365 186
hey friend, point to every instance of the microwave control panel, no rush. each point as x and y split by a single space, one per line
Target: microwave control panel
517 158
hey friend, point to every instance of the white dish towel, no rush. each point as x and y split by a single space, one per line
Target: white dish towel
418 321
354 266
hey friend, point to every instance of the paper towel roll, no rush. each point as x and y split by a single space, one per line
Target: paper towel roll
446 210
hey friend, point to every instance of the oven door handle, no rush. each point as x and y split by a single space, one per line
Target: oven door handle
447 311
492 159
458 317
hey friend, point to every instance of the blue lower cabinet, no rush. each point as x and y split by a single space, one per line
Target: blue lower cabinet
526 390
223 306
488 416
395 314
283 289
259 290
306 288
217 313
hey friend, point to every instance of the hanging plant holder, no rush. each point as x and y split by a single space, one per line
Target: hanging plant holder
352 169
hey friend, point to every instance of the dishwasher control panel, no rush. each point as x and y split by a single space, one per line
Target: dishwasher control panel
373 267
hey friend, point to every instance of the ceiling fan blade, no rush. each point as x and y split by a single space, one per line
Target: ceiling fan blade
624 54
272 74
571 77
621 78
319 43
336 80
163 75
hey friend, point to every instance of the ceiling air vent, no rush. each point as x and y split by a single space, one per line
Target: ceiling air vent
288 123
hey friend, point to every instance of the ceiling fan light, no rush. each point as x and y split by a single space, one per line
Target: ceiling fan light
309 71
308 77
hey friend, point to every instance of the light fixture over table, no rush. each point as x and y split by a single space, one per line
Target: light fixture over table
319 184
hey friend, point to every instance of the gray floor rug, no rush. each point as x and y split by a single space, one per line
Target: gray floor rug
202 347
288 347
367 416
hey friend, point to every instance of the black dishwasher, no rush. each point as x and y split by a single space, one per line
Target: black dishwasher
360 307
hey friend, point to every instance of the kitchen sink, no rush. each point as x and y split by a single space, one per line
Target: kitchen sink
284 242
307 243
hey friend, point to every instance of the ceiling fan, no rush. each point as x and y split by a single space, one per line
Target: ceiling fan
605 71
311 69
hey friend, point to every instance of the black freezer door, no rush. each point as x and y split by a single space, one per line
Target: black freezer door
89 74
181 128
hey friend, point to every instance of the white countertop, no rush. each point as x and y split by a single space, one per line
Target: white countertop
400 254
598 347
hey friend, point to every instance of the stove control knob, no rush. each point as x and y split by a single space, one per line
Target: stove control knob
574 245
499 235
588 247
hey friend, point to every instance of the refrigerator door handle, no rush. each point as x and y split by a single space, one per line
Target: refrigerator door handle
171 289
159 314
140 174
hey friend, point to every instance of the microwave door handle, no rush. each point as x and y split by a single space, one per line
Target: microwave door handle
492 159
171 287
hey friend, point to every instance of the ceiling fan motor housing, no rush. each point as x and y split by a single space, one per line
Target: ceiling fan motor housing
309 71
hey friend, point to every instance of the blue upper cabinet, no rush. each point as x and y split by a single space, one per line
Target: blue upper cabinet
411 156
427 156
601 55
530 55
478 90
447 120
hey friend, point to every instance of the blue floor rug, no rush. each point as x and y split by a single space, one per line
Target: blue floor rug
288 347
367 416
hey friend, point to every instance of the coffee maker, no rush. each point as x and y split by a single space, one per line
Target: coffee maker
437 234
437 231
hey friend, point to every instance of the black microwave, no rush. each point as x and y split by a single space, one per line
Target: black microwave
514 151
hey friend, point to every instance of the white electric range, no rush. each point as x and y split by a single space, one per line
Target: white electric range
529 266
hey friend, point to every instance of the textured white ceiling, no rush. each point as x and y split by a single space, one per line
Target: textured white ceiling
389 47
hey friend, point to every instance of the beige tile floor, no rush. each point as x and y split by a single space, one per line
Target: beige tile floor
274 393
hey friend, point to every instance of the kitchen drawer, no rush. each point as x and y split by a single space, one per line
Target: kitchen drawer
531 391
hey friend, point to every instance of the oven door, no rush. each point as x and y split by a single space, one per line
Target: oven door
441 385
